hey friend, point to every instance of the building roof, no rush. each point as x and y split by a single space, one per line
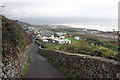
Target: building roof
92 30
60 33
62 40
47 33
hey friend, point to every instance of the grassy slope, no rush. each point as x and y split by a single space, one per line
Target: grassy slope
13 35
15 39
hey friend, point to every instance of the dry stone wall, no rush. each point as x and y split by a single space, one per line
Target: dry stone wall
12 65
85 66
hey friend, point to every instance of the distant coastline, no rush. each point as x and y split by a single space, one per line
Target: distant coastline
102 26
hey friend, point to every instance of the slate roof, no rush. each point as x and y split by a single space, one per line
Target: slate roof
47 33
60 33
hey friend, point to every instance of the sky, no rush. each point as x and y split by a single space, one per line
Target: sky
61 11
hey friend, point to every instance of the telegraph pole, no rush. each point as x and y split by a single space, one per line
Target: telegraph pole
118 34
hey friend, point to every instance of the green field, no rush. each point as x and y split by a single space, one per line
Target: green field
98 48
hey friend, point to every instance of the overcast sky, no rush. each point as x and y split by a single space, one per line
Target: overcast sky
44 9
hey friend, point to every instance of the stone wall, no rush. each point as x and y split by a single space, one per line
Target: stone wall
85 66
14 64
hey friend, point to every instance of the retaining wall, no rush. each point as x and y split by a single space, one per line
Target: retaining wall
14 64
85 66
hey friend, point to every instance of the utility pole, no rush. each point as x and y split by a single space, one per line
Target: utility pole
118 34
1 14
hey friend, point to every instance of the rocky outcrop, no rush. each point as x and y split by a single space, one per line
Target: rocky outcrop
85 66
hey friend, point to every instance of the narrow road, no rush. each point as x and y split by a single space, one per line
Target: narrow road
40 68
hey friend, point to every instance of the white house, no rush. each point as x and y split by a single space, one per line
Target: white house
63 41
77 38
47 35
45 40
60 34
62 37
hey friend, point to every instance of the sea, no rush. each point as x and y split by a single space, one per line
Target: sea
101 26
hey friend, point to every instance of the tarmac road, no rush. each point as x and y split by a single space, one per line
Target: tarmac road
41 68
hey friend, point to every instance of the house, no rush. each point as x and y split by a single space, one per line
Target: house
47 35
67 36
58 34
45 40
62 37
38 36
77 38
50 41
92 31
63 41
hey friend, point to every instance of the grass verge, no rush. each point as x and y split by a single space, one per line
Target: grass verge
25 69
60 67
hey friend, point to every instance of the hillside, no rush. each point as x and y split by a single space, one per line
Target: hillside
14 43
23 24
